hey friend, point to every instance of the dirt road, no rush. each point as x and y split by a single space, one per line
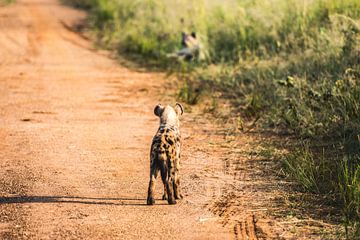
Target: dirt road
75 130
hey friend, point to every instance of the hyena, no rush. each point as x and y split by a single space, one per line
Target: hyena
165 154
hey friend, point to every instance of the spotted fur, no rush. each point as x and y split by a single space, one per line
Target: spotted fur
165 154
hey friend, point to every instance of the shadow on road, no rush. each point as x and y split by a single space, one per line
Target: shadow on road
74 199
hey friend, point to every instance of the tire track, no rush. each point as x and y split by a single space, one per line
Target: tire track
245 230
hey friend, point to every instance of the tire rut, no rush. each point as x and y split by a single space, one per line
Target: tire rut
246 230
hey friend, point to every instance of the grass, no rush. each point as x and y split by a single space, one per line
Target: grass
6 2
349 188
292 66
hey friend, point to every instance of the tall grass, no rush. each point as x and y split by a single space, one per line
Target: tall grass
349 187
293 64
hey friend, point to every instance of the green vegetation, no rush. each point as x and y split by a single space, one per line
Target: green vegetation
292 64
5 2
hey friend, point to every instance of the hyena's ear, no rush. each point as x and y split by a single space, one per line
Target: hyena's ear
158 110
179 109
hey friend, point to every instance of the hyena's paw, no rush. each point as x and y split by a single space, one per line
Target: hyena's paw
164 196
171 201
150 201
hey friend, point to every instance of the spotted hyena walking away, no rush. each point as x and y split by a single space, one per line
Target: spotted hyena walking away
165 154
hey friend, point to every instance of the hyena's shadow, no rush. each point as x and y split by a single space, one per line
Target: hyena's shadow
119 201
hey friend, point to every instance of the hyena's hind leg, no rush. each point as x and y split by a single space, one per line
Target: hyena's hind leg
154 170
177 192
164 196
168 183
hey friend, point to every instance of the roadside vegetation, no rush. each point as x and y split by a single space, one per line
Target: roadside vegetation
5 2
290 66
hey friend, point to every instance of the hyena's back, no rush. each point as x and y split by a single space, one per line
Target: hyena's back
165 148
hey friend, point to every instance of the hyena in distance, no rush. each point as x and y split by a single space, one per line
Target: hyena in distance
165 153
